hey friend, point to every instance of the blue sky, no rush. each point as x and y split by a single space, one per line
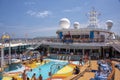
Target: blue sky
41 17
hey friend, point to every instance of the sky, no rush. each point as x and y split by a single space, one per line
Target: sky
40 18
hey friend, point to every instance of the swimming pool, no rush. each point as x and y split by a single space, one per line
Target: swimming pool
45 69
14 67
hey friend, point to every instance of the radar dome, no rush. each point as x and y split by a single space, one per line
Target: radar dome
109 24
64 23
76 25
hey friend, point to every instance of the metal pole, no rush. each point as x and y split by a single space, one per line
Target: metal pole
9 52
50 73
83 53
74 50
2 57
103 53
99 53
90 58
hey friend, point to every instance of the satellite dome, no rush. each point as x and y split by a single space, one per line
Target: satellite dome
109 24
76 25
64 23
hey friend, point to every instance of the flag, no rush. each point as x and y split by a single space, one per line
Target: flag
6 38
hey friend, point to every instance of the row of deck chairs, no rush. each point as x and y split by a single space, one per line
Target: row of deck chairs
64 57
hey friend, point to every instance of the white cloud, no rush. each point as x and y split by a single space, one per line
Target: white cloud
75 9
39 14
29 3
43 14
31 13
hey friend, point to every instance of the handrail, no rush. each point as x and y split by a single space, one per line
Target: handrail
34 48
80 74
116 46
112 74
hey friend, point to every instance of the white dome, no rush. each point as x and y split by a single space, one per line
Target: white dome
109 24
64 23
76 25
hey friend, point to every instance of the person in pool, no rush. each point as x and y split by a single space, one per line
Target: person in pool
33 77
40 77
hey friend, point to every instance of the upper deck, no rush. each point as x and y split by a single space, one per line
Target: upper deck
85 35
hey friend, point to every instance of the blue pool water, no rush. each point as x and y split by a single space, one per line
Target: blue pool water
0 75
14 67
45 69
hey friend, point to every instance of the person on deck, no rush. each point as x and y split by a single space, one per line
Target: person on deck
24 76
76 70
80 61
41 59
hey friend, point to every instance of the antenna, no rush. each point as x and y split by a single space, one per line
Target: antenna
26 36
93 21
13 35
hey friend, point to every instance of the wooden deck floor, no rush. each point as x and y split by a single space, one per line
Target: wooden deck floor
89 75
117 72
94 66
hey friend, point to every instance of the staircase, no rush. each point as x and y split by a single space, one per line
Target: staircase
115 44
36 46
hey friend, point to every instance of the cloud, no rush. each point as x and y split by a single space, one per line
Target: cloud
29 3
31 13
39 14
75 9
43 14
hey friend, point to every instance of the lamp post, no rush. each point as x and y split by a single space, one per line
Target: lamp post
90 59
6 38
2 56
9 50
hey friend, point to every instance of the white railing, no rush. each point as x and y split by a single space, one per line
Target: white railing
115 44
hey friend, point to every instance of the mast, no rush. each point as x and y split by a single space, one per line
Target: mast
93 18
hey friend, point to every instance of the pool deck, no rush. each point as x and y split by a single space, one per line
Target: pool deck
66 72
94 66
117 72
82 69
89 75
